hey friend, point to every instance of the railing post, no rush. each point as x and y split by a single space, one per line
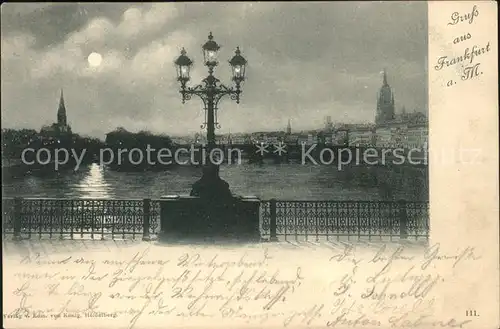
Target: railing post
16 220
145 223
272 224
403 219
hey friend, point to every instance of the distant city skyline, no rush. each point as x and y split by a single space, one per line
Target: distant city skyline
305 63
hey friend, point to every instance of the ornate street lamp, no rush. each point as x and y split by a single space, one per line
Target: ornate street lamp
183 64
210 91
210 50
238 64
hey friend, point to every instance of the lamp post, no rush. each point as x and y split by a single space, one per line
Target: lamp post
210 91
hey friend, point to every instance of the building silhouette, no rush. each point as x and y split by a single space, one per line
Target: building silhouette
385 103
289 128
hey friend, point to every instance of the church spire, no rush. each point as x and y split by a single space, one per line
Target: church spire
385 78
61 112
289 128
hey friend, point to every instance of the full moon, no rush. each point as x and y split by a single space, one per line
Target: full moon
94 59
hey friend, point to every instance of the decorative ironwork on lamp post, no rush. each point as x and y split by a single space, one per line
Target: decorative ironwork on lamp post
210 91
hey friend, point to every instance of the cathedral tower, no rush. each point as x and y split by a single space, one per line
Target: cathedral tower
385 103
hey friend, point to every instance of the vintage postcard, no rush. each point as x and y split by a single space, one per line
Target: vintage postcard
250 165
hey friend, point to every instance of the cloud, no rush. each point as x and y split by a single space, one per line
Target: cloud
15 47
305 62
96 32
156 59
17 57
20 9
102 35
137 22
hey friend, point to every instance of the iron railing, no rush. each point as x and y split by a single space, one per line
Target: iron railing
348 219
80 218
103 218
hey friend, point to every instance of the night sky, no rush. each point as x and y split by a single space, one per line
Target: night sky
306 61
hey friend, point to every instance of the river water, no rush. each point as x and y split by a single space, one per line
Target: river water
280 181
